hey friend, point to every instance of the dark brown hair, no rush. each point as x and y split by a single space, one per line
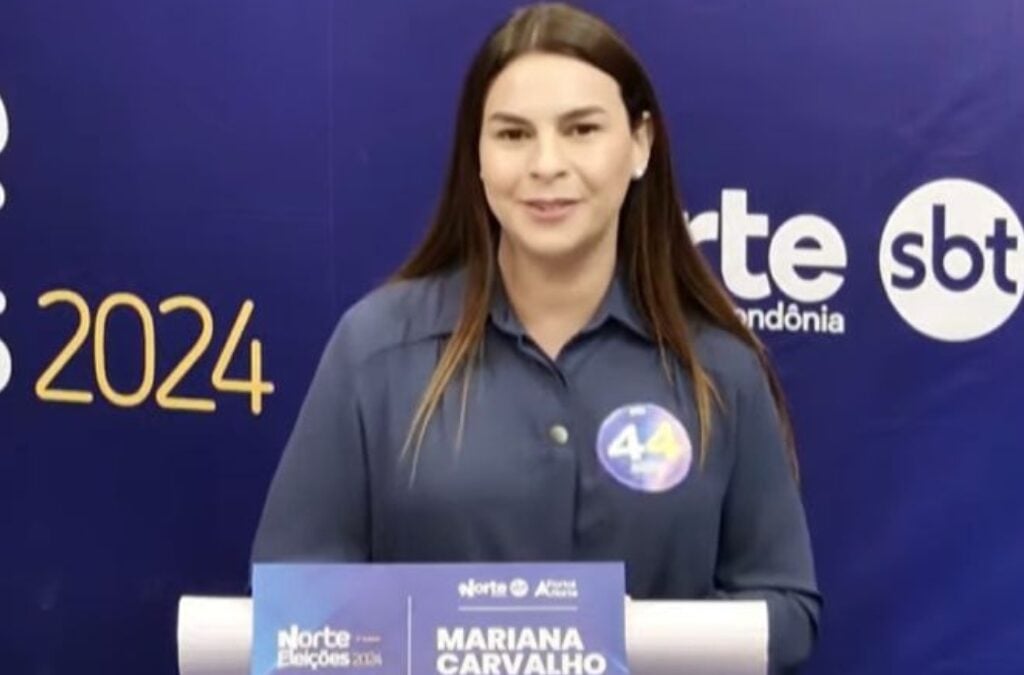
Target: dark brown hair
668 279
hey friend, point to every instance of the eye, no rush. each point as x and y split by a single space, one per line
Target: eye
511 134
583 129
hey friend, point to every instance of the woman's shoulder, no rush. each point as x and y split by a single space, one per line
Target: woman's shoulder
731 361
399 312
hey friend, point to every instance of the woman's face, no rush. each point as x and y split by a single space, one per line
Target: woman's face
557 155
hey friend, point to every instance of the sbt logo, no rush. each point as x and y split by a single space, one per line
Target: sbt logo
4 135
951 260
5 354
519 588
806 263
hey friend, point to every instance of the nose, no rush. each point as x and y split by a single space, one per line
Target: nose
547 161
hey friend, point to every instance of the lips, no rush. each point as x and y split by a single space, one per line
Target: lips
550 210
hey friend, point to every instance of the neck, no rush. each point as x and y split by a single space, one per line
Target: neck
554 299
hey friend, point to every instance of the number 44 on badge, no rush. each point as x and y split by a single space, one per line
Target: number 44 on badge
661 443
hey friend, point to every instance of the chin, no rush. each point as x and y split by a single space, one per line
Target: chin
553 248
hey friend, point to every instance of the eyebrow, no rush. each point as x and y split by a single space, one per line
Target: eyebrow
575 114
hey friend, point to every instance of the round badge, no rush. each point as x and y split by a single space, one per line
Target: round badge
644 447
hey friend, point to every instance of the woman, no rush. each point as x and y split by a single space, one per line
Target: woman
554 374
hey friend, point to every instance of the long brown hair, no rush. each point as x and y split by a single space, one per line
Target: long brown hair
668 279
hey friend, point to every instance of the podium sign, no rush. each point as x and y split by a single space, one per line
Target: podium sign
443 619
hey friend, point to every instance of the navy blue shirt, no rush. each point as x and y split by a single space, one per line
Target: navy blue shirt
527 482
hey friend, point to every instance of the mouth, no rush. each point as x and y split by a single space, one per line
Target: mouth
550 210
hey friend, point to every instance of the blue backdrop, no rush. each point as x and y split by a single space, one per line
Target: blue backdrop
192 192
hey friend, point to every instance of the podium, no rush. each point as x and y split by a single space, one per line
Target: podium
663 637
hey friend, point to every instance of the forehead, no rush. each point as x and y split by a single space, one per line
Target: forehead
541 85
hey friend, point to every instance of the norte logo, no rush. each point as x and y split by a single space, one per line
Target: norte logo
305 649
471 588
789 288
951 260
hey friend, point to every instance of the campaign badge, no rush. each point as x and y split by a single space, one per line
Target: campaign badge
644 447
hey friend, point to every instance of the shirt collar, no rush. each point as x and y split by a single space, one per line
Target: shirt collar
615 306
619 306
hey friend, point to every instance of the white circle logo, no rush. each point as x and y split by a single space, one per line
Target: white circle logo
4 134
519 588
952 260
5 354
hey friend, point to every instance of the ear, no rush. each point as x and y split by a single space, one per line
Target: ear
643 139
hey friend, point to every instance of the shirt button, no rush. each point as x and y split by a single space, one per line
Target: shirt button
559 434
